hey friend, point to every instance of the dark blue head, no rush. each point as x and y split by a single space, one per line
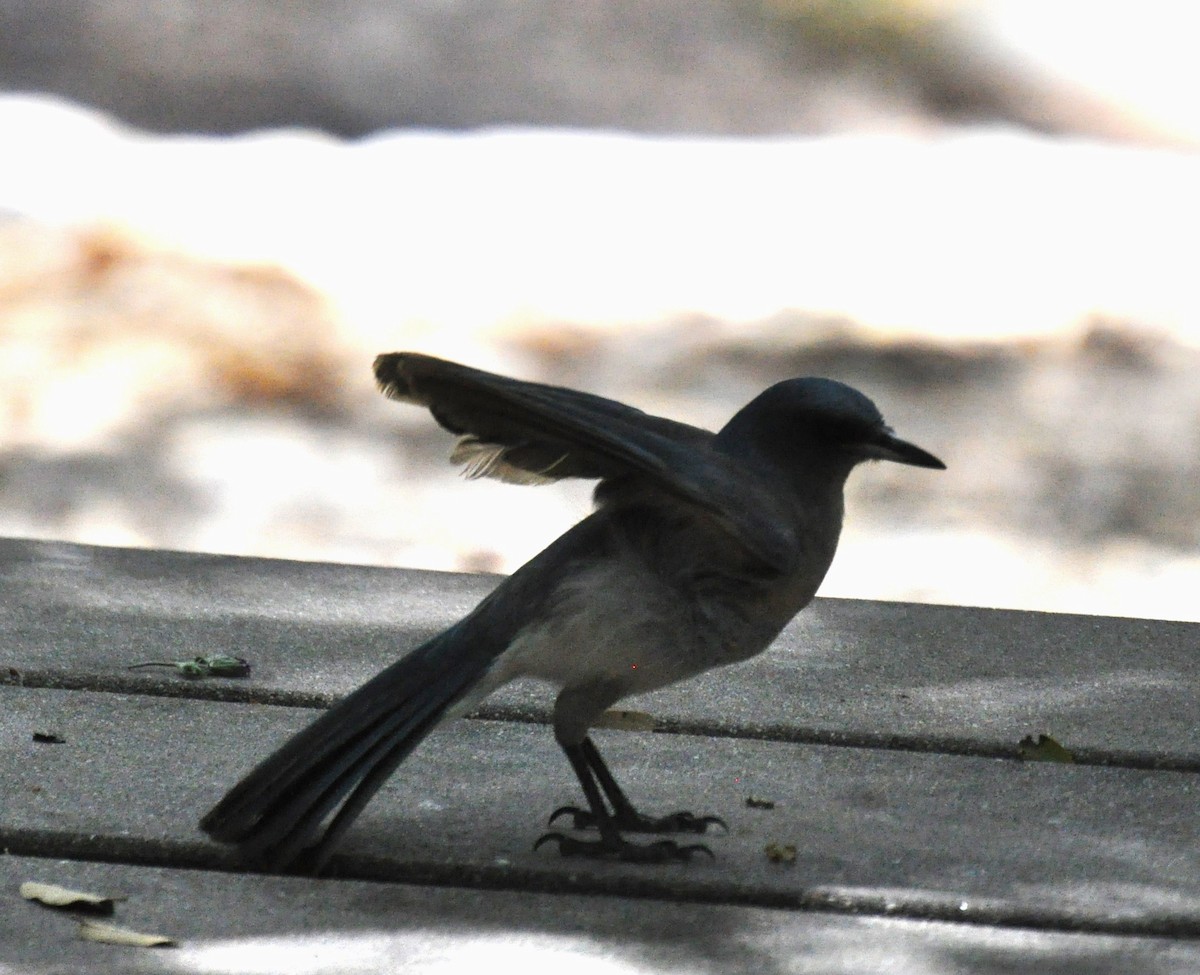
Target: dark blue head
817 420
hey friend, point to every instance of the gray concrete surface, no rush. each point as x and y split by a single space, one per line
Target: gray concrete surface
943 677
941 835
227 923
939 855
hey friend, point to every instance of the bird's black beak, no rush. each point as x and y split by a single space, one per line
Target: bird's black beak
887 446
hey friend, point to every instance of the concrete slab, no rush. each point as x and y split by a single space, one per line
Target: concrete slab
879 674
884 832
255 925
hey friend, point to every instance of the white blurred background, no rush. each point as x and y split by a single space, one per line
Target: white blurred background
981 213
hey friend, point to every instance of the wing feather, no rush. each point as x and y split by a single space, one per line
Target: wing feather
531 432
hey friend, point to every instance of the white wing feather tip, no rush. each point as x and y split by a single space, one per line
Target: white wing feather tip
394 391
481 459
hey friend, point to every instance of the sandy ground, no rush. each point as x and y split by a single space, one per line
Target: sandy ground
186 328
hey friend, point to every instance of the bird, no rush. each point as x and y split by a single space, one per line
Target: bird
700 548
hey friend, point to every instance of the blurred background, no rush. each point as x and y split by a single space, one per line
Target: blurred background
983 213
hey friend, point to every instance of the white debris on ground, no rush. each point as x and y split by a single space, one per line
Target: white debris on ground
187 325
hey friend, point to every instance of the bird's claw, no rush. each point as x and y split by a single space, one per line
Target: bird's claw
686 822
663 851
580 818
546 838
679 822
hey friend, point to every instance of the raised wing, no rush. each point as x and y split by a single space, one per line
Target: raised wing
530 432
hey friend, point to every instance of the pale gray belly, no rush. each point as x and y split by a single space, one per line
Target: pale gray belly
618 622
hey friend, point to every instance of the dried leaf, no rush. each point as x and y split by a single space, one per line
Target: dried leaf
626 721
54 896
780 852
753 802
1044 749
110 934
46 738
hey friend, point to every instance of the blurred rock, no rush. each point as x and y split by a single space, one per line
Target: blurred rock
103 334
697 66
148 398
1021 306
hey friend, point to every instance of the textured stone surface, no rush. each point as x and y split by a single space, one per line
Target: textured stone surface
255 924
1075 844
947 677
930 857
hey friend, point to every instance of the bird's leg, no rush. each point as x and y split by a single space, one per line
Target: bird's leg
624 813
594 776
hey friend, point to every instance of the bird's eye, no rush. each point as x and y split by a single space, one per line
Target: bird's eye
843 430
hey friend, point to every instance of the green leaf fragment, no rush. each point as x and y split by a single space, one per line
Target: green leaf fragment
1043 749
217 665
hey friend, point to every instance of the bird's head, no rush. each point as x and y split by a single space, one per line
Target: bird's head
817 423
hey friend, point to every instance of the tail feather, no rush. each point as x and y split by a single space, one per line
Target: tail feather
274 814
376 767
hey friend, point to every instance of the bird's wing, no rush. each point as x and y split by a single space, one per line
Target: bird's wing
532 433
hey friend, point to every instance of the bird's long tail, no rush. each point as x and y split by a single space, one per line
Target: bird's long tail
275 814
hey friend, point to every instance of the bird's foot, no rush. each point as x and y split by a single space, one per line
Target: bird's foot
614 847
635 822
